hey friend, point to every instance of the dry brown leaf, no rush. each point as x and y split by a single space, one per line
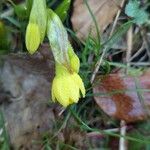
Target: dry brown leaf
130 105
103 10
24 96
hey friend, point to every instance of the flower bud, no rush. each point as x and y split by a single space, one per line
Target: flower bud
38 15
32 37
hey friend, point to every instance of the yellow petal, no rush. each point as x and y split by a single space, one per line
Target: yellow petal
74 90
32 37
79 82
61 91
66 86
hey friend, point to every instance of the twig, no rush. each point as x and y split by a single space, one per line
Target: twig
146 42
122 142
98 64
116 18
61 112
129 46
138 52
140 63
143 58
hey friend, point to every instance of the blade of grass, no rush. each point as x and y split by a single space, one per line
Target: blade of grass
87 128
4 135
108 44
94 20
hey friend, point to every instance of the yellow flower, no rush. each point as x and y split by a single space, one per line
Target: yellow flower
32 37
66 86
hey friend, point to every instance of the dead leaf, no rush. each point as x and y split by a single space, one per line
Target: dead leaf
122 97
103 10
24 96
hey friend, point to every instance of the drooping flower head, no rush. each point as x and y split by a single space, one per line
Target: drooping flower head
67 87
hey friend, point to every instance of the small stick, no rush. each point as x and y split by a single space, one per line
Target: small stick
140 63
116 18
122 142
129 46
138 52
61 112
99 62
146 42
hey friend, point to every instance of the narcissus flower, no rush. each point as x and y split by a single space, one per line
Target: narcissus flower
67 86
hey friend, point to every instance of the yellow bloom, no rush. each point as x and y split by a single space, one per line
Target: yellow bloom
66 86
32 37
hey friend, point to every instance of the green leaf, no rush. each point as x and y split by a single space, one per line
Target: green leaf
4 42
141 131
62 9
13 21
21 11
58 38
47 147
29 6
4 144
132 8
139 15
117 35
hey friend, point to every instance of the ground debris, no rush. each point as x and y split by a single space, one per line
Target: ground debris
124 97
24 96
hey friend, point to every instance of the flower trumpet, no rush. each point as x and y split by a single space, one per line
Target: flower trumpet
67 86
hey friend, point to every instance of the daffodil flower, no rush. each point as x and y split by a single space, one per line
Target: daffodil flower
67 86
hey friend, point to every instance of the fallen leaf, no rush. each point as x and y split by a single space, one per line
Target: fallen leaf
123 97
103 10
24 96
